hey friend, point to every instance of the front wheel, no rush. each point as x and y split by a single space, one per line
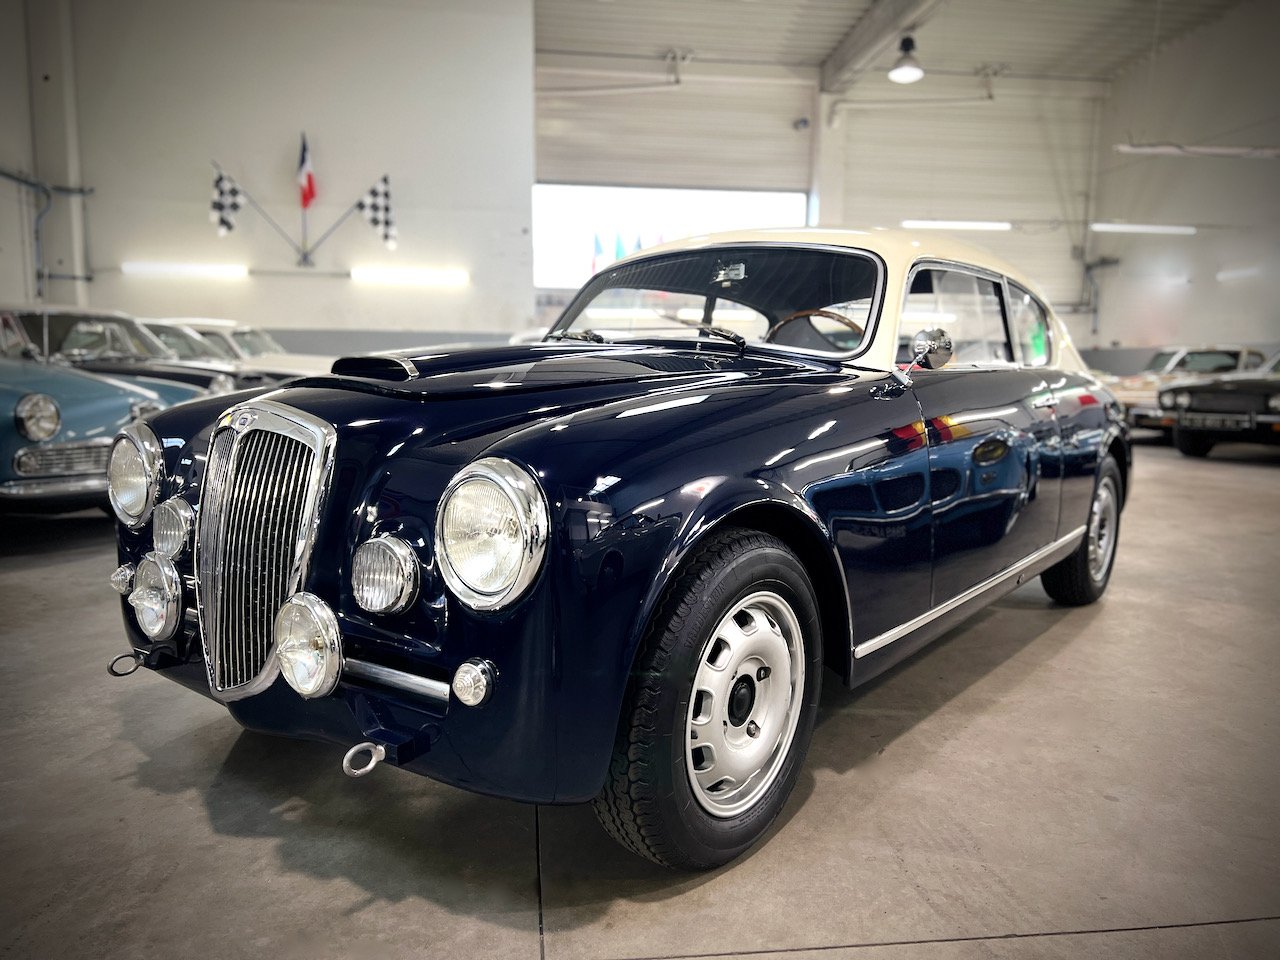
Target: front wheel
721 706
1082 577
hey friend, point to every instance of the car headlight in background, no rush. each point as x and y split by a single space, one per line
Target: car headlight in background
1273 403
37 416
1182 399
384 575
308 645
156 596
222 383
1166 400
491 532
171 527
133 474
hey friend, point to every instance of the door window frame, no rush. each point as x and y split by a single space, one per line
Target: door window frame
934 263
1016 342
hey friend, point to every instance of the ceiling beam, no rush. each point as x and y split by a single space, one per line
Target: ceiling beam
876 31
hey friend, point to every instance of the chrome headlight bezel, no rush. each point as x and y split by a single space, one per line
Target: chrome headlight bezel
522 490
170 586
32 408
405 563
173 520
145 442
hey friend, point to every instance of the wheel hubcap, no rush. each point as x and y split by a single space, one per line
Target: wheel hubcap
1102 529
745 704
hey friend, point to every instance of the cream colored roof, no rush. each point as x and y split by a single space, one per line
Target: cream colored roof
898 248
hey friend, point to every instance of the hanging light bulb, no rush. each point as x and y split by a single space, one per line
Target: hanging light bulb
907 69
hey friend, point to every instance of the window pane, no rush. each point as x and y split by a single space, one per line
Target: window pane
1030 327
1208 361
966 307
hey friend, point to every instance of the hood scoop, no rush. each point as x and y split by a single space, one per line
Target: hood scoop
394 369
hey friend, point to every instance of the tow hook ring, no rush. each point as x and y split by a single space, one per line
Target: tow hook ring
133 657
377 753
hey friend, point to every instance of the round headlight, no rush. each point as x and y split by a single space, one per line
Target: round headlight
1273 403
1182 399
157 591
171 526
384 575
308 645
1166 399
491 531
37 416
222 383
133 474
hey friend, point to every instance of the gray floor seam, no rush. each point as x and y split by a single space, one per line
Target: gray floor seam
875 944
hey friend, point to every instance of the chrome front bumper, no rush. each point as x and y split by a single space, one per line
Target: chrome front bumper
53 488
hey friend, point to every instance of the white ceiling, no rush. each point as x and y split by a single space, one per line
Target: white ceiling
1093 39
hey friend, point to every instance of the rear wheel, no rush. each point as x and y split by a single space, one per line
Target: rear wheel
1191 443
1082 577
721 706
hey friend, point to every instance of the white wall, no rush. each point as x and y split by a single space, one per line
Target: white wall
1217 86
438 95
16 264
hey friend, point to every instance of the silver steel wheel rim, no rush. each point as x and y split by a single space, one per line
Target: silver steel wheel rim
1102 529
734 755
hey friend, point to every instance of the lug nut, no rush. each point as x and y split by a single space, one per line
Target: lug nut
753 729
763 673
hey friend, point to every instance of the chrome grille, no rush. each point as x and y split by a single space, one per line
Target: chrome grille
263 485
1224 402
61 459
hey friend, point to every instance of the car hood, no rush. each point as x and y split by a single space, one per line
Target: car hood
65 384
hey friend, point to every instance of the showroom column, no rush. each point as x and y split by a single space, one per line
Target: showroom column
56 148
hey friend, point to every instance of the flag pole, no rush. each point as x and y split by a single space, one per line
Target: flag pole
265 216
304 256
336 224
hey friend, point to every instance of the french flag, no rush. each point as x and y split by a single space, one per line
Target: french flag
306 180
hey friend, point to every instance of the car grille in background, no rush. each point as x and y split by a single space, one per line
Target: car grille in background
62 459
250 548
1229 402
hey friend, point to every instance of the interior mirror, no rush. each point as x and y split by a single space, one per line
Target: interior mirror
932 348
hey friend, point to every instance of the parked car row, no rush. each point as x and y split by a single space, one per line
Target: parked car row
1140 393
70 378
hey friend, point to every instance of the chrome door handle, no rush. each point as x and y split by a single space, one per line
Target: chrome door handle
1044 403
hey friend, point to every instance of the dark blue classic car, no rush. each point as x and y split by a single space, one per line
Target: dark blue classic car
1230 408
612 566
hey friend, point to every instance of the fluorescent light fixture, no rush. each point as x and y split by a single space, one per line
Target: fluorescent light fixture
992 225
907 69
412 276
207 271
1236 273
1154 228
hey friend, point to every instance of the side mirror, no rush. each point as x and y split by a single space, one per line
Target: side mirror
932 348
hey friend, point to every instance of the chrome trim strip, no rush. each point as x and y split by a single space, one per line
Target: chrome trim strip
58 487
99 444
897 633
411 682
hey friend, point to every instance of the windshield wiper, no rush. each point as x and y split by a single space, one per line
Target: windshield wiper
588 335
735 338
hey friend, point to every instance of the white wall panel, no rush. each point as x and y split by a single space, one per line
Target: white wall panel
704 133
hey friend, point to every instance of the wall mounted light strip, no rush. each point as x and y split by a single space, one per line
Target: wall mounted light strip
208 271
990 225
1237 273
1150 228
412 276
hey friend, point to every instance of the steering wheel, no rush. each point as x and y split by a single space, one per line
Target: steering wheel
800 314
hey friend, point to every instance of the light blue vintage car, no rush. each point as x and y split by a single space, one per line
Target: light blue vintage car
56 427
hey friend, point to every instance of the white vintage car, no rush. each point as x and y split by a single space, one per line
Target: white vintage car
253 347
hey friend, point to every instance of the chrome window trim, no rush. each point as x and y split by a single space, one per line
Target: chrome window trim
322 437
902 630
874 312
412 683
522 488
982 273
1015 343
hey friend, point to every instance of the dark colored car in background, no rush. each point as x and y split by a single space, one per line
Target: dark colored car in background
612 567
1232 408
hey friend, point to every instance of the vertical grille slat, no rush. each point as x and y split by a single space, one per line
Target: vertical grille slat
261 493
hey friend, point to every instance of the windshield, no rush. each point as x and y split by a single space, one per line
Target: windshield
256 342
217 346
1209 361
93 338
188 346
1157 363
799 298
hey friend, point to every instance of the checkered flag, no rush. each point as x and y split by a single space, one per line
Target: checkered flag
228 198
376 207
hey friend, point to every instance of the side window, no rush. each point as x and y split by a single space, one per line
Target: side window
967 307
1030 327
1254 360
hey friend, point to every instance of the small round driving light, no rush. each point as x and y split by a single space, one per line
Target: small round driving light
37 416
473 682
384 575
308 645
1182 399
171 526
156 596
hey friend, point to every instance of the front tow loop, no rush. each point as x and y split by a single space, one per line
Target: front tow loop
133 657
377 753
